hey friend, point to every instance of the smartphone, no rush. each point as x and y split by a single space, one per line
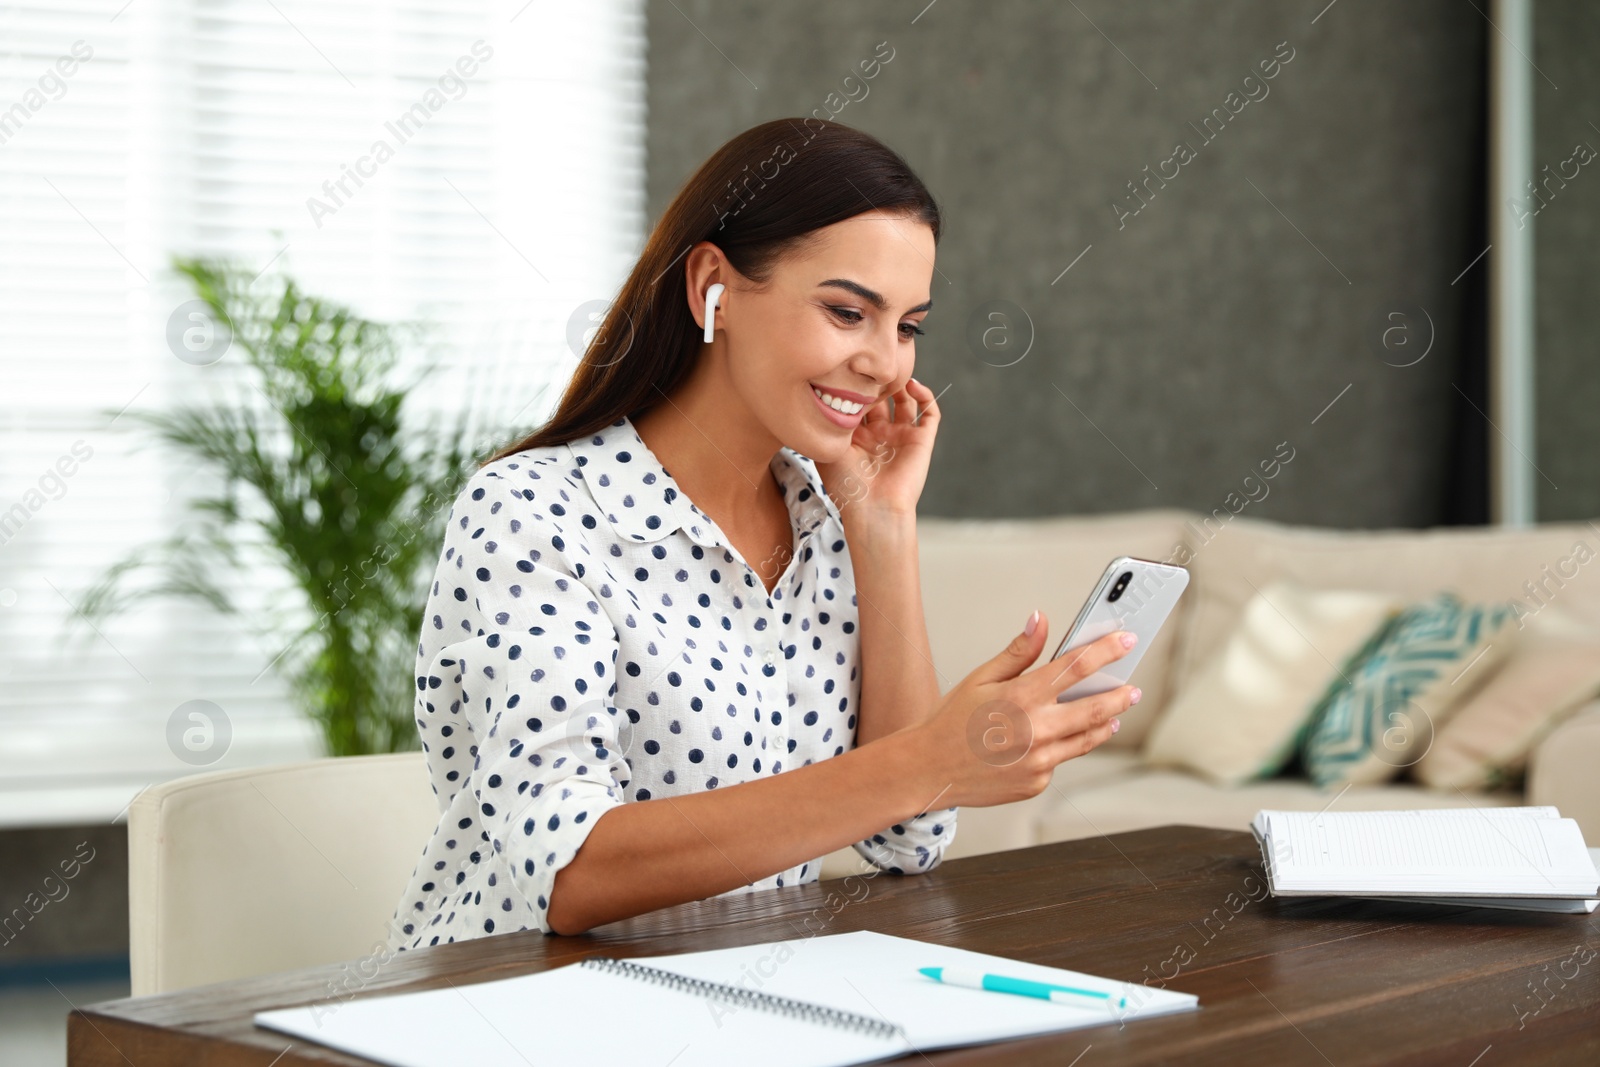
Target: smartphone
1135 595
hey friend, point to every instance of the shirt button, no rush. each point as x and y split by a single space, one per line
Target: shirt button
769 659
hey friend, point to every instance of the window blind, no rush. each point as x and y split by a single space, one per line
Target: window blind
508 192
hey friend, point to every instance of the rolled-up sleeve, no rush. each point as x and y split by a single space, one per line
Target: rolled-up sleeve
534 734
911 847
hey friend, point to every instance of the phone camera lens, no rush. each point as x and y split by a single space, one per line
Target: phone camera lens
1121 583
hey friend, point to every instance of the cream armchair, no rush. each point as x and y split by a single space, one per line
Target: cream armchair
239 873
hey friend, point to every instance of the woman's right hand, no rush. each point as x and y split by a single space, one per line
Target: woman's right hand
998 736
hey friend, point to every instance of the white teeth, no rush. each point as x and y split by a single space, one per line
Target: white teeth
844 407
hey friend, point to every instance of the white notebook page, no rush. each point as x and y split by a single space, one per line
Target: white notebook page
1529 851
877 975
577 1015
571 1015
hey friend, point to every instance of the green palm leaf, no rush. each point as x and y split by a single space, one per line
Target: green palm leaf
323 478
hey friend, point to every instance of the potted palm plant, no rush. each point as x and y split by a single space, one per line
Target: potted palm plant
320 479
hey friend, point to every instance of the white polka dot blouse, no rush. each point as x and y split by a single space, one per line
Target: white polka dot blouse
591 638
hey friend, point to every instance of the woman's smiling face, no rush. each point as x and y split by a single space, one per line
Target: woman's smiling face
831 332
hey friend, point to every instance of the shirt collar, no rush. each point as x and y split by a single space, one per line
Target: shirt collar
643 503
809 504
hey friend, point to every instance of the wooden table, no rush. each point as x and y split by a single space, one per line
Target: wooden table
1280 982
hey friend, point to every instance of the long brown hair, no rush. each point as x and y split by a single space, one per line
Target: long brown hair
758 196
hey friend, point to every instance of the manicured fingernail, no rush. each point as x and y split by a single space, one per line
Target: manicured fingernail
1136 696
1033 623
1116 724
1129 639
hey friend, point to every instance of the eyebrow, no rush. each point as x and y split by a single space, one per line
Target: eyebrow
871 297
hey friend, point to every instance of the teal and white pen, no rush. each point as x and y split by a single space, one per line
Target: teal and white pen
998 983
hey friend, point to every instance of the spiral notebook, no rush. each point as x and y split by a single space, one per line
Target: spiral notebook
825 1001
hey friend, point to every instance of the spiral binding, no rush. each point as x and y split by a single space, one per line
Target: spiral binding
800 1009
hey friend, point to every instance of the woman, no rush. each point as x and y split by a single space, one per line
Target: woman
638 688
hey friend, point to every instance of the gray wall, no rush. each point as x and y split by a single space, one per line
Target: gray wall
1212 325
1566 261
54 918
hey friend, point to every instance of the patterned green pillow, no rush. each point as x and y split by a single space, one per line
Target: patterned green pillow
1379 715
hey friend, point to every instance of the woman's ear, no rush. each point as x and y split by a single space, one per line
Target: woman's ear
705 268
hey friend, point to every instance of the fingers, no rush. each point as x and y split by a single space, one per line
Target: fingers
1080 744
905 408
1083 725
927 404
1066 731
1085 713
1015 657
1074 665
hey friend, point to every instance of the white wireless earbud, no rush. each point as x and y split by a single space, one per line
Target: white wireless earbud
712 296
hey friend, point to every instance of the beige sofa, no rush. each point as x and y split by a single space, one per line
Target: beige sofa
981 579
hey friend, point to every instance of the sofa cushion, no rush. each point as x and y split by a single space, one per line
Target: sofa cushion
1247 709
982 578
1561 771
1551 671
1159 797
1531 567
1381 715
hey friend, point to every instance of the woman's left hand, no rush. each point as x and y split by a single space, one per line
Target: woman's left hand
884 471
